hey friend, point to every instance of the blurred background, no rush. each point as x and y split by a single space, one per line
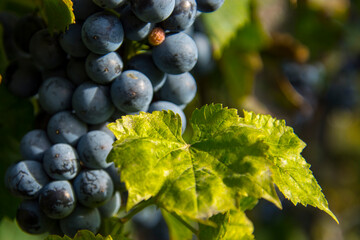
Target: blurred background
295 60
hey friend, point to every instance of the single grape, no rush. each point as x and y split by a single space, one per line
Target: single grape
109 3
132 91
22 78
84 8
156 36
45 50
144 63
111 207
92 103
93 188
93 149
177 54
55 94
179 89
81 218
182 17
31 219
209 5
34 144
71 41
57 199
103 69
76 71
102 127
134 28
102 33
61 162
26 178
25 28
65 127
152 11
164 105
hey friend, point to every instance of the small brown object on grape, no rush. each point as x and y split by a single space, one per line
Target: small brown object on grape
156 36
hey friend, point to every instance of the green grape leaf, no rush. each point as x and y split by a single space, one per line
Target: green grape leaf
231 225
211 175
223 24
177 230
58 14
226 166
85 235
290 172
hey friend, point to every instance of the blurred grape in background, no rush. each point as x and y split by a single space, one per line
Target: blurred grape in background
298 60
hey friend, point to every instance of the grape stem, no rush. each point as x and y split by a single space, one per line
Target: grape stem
191 228
138 209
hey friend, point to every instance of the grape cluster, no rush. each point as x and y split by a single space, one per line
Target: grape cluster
83 79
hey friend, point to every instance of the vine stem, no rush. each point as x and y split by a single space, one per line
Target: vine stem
191 228
139 208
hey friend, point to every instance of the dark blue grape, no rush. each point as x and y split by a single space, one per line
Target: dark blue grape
93 188
34 144
31 219
76 71
22 78
179 89
109 3
164 105
71 41
182 17
55 94
93 149
26 178
61 162
103 69
152 11
81 218
57 199
111 207
65 127
84 8
92 103
205 61
25 28
144 63
177 54
134 28
132 91
209 5
102 33
45 50
102 127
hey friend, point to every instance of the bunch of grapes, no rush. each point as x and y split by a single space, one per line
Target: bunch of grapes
83 79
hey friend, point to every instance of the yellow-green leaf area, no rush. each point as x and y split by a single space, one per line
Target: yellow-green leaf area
290 172
232 225
58 14
228 165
